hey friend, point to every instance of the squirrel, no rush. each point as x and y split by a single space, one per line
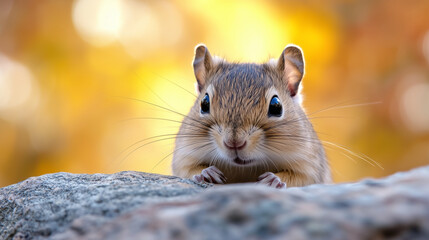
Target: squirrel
248 125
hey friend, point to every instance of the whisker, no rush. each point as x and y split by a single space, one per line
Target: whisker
352 159
260 149
158 136
154 93
175 150
141 146
177 85
336 106
164 108
199 147
307 151
163 119
361 156
214 161
295 120
274 150
158 140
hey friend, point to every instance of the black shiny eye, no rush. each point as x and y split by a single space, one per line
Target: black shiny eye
205 104
275 109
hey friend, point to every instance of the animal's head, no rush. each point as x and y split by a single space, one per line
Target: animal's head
247 114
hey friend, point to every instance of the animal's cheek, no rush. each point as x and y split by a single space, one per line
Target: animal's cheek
254 148
216 136
255 140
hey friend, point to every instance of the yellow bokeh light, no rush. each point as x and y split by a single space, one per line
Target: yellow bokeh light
414 99
19 93
68 67
99 22
135 24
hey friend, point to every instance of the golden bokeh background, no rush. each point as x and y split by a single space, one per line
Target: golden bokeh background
70 69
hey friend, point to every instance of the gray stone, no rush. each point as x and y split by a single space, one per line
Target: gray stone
132 205
41 207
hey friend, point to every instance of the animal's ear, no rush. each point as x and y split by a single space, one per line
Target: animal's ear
203 62
291 65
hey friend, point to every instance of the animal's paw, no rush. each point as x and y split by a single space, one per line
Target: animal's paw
210 175
271 180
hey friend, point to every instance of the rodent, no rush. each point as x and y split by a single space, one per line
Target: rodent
248 125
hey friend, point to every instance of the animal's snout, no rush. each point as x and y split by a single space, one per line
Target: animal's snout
235 144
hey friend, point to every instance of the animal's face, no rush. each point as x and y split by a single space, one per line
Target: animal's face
246 116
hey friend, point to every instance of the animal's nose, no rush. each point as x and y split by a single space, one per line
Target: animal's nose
235 145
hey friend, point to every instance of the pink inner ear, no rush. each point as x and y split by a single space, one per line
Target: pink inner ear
293 88
292 76
292 92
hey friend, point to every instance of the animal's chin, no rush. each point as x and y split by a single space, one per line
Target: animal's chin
240 161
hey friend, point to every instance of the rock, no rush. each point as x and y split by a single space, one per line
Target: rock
42 207
132 205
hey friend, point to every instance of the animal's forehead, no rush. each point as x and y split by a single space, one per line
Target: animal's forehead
242 77
240 85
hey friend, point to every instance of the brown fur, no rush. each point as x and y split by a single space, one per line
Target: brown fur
239 100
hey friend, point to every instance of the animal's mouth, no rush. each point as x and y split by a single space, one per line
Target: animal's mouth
240 161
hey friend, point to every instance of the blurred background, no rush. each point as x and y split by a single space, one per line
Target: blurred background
69 71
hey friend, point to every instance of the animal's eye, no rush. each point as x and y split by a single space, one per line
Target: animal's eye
275 109
205 104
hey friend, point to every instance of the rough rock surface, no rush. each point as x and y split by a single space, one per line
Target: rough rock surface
132 205
41 207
